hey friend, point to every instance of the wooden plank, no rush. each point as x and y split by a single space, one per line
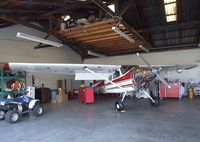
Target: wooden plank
97 36
102 39
117 46
92 33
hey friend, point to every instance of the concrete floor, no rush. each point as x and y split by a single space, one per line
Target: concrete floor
173 121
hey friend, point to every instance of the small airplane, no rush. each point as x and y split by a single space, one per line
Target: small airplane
112 78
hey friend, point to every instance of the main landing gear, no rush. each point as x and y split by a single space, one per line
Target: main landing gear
155 102
119 106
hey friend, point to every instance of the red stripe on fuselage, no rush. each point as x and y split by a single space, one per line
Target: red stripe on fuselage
126 76
124 86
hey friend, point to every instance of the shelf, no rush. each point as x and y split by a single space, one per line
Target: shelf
3 79
12 77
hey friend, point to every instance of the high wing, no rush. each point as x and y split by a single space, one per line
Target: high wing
178 68
77 69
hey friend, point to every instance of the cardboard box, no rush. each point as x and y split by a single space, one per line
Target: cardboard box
61 97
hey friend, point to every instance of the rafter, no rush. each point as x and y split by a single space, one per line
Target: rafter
189 24
126 7
112 14
65 8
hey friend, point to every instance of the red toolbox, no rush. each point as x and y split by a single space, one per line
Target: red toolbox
172 92
88 95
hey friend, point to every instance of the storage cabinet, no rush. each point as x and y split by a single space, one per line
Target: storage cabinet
86 95
43 94
172 92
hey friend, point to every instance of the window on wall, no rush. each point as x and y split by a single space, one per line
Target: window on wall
170 10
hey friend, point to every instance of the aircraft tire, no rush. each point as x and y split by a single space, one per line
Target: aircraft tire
119 106
156 103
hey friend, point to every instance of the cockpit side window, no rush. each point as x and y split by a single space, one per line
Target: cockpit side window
123 71
110 77
116 74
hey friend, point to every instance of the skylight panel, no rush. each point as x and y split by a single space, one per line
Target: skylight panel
170 10
169 1
112 7
171 18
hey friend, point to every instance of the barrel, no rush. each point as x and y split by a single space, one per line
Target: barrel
54 93
191 93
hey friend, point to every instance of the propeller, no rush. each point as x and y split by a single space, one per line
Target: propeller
154 71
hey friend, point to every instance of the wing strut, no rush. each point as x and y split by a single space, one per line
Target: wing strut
91 71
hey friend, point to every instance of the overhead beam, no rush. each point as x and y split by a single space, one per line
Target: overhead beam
65 41
65 8
112 14
18 21
171 27
125 8
22 11
40 44
6 2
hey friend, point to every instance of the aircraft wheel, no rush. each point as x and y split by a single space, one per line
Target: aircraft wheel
156 102
119 106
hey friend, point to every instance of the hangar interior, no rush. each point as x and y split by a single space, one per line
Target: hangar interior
45 45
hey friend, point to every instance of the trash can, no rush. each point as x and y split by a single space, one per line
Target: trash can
54 93
191 93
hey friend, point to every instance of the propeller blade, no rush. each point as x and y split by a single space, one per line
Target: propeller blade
154 72
147 63
162 80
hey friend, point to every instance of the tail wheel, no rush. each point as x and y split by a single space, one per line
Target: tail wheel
12 116
119 106
2 114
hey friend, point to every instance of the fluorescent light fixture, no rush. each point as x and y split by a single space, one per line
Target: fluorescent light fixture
95 54
112 7
143 48
115 29
37 39
66 17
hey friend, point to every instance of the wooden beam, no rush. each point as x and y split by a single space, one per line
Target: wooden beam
97 24
92 33
96 36
112 14
20 11
65 8
18 21
14 3
4 3
125 8
40 45
102 39
86 30
195 23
